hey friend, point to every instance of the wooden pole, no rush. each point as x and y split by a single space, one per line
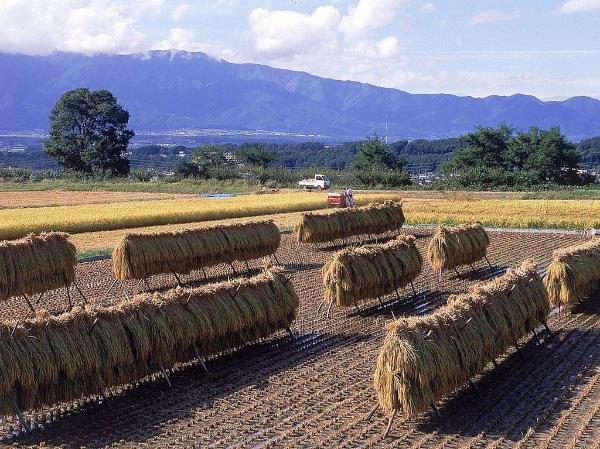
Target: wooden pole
390 421
488 262
165 375
200 359
22 419
28 303
69 297
320 305
179 283
79 291
372 412
41 295
435 409
111 287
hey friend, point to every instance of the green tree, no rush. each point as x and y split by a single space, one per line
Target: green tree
552 159
375 155
212 162
256 154
88 133
485 147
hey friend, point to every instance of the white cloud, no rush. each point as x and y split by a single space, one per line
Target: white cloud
179 12
572 6
319 44
429 8
187 40
286 33
87 26
493 15
180 39
368 15
388 47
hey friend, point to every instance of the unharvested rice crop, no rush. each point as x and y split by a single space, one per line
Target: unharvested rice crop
16 223
358 274
574 272
508 213
36 264
342 223
452 247
50 359
139 256
425 358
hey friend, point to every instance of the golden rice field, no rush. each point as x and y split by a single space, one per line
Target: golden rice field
17 222
559 214
419 209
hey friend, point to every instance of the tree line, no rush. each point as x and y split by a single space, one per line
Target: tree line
89 135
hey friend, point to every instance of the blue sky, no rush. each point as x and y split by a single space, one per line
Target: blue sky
550 49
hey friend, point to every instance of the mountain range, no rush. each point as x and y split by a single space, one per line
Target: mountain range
166 90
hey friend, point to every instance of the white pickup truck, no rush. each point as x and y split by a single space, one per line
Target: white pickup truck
320 182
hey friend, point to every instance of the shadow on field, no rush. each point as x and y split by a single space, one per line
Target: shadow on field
481 273
409 304
522 395
137 413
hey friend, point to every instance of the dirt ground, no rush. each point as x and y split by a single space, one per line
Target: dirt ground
314 390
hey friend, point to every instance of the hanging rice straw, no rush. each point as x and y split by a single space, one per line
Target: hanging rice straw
452 247
139 256
426 358
574 272
342 223
36 264
52 359
358 274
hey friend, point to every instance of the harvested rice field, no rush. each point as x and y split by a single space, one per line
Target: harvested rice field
314 389
46 198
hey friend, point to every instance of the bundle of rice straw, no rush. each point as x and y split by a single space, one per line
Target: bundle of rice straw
139 256
36 264
52 359
574 272
372 271
451 247
425 358
342 223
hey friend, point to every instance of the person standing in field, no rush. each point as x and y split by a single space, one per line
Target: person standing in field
349 197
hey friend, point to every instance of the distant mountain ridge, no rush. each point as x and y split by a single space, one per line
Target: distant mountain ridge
171 90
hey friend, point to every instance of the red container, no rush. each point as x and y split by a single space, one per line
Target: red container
336 199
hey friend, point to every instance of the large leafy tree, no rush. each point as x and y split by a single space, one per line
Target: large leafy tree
88 133
375 155
553 159
485 147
